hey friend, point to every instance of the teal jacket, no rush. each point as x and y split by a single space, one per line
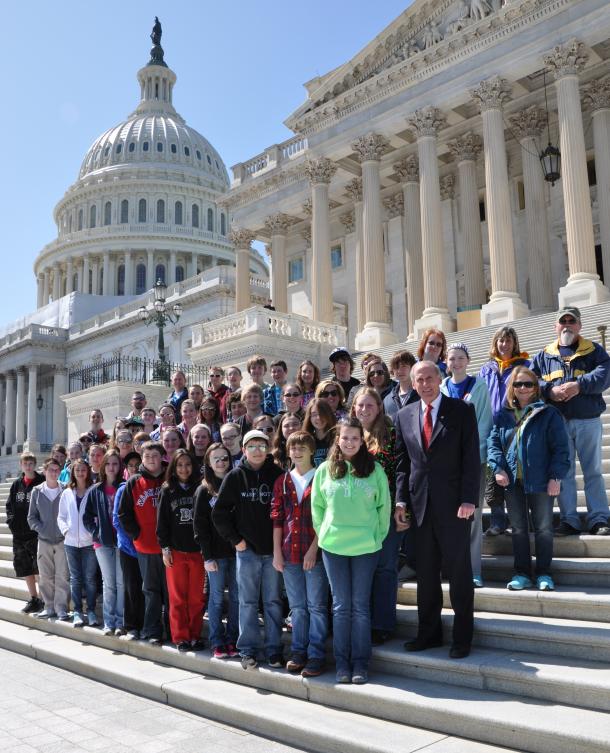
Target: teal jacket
350 515
479 398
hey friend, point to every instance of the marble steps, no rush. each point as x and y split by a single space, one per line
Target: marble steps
466 705
563 546
575 571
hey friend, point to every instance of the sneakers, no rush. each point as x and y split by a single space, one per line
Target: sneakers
34 605
155 642
248 662
296 663
231 650
183 647
46 614
519 582
133 635
219 652
106 630
197 645
276 661
360 677
565 529
313 668
477 581
120 631
494 531
78 620
343 677
598 529
92 618
545 583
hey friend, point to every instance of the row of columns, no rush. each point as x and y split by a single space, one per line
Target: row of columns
20 417
427 298
50 280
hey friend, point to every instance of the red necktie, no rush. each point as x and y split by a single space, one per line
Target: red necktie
427 432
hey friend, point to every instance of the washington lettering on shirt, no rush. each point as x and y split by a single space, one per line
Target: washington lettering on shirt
149 494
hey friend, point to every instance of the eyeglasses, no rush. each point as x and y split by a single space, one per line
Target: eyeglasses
124 441
374 372
292 394
435 344
268 430
567 321
223 459
208 408
334 393
255 447
230 437
215 376
524 385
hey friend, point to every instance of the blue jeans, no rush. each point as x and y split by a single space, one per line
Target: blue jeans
540 506
351 579
385 582
585 440
307 592
113 592
83 572
256 575
224 576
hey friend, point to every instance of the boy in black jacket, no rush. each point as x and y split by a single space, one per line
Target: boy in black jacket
25 541
241 516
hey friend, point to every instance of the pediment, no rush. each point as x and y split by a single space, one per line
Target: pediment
419 28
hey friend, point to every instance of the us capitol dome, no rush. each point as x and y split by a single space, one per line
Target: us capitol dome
144 206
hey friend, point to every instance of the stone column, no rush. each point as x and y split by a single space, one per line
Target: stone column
376 332
320 173
106 277
95 276
112 275
528 126
171 277
584 288
69 276
2 408
505 303
241 239
59 408
85 279
39 291
31 443
128 287
45 287
79 278
465 150
191 265
56 282
426 123
277 226
9 413
597 96
19 411
409 172
150 268
354 192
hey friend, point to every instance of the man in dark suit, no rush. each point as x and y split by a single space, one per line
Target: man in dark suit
437 490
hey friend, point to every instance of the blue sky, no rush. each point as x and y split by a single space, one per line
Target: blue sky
71 74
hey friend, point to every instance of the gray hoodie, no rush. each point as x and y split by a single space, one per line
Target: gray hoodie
42 515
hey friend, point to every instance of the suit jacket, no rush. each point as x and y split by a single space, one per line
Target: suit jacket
445 476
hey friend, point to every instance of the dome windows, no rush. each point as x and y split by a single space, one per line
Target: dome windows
195 215
209 160
211 220
120 279
179 273
160 272
92 215
178 213
160 211
119 148
124 212
107 151
187 151
198 153
140 279
80 219
173 149
142 210
223 224
159 146
107 213
145 146
132 147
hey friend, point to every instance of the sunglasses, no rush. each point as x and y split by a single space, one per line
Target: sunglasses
330 393
208 408
215 376
435 344
268 430
374 372
567 321
292 394
223 459
524 385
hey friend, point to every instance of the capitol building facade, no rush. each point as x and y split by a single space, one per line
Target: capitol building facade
411 194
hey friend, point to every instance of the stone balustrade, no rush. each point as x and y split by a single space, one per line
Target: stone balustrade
33 332
269 159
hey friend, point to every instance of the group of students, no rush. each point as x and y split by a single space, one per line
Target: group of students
295 492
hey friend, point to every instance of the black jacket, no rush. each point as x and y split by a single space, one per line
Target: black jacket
213 546
244 503
175 518
17 506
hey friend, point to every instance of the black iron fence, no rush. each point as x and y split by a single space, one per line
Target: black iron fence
136 370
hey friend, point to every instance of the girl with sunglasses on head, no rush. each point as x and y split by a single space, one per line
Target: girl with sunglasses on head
231 438
320 422
528 454
289 423
218 555
308 378
332 392
209 414
265 423
433 347
377 376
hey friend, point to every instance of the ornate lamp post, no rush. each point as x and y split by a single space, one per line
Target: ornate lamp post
160 314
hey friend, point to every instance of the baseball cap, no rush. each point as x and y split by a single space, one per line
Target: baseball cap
254 434
568 311
339 353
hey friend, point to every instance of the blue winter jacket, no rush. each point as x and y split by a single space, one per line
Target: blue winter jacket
589 366
124 542
97 518
496 380
541 450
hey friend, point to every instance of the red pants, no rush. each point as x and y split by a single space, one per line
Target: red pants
185 587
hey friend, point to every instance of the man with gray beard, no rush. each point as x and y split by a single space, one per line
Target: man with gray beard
574 372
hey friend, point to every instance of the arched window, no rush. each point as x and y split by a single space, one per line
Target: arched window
142 210
120 280
187 151
178 213
160 272
160 210
140 279
92 215
223 224
145 146
132 147
159 146
179 273
80 219
124 211
173 148
107 213
211 220
195 215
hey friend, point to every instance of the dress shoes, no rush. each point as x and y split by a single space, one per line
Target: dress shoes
420 645
459 652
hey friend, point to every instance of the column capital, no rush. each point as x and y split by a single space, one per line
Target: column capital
596 95
529 122
277 224
269 250
466 147
427 122
308 207
371 146
492 93
447 187
320 170
241 238
394 205
408 169
354 189
567 59
348 220
306 233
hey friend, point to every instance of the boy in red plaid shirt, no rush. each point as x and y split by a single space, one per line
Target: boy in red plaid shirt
296 554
